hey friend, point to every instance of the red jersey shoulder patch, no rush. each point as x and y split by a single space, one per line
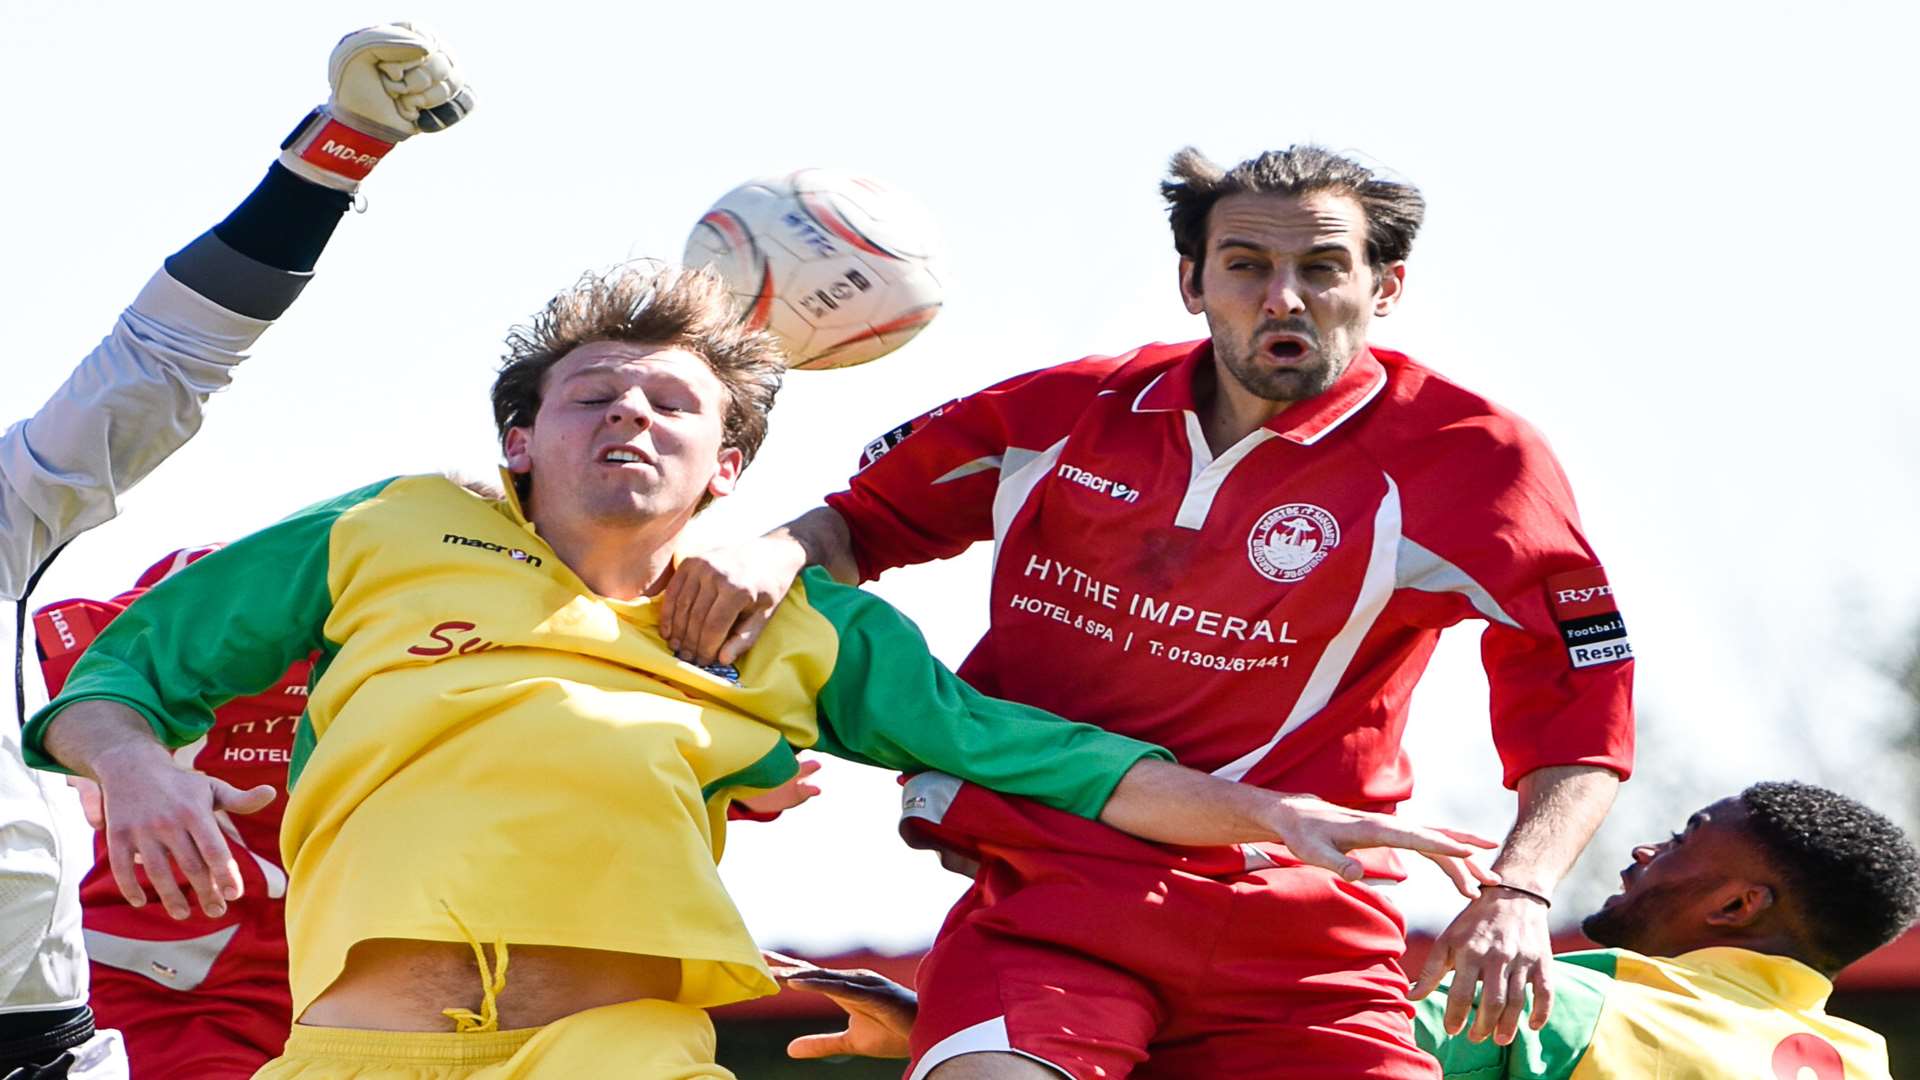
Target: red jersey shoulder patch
1589 619
878 448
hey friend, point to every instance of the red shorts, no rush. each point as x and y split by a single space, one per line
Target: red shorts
223 1029
1105 968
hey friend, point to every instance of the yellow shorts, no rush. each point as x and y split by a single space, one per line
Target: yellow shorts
635 1040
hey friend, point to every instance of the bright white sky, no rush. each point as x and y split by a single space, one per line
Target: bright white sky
1676 237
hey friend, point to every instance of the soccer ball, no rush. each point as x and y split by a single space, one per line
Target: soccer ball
839 267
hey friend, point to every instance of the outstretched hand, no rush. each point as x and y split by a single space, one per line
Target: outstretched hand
1320 833
880 1012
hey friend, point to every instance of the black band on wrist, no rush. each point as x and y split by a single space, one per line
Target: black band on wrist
1529 893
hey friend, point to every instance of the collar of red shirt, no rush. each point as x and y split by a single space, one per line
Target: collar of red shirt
1303 422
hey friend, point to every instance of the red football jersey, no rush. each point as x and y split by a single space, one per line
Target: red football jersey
1264 614
251 743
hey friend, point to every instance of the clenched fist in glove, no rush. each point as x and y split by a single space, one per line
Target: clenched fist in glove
389 82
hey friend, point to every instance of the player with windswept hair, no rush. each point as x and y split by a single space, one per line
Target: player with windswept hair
507 795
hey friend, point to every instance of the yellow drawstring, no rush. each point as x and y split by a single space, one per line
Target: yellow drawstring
492 982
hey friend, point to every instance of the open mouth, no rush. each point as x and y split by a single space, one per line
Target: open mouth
1620 895
1287 350
621 455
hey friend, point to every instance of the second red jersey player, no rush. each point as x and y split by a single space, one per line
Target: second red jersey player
200 998
1264 614
1245 549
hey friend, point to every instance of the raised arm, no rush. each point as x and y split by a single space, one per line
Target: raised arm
133 401
140 394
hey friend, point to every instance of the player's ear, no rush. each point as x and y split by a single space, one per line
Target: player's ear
1740 904
515 446
1190 286
726 474
1389 284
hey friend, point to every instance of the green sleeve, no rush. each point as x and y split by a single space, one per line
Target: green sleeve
1580 984
228 625
890 703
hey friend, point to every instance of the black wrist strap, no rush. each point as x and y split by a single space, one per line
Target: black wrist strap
1529 893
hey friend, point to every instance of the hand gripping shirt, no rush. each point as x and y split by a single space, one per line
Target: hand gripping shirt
1263 613
1711 1014
488 738
250 743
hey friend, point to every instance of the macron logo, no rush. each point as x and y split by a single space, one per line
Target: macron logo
516 554
60 627
1093 482
1581 596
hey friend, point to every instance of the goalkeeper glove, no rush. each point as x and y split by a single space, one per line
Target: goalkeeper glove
389 82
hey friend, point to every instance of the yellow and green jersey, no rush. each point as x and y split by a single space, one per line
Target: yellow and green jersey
1705 1015
485 736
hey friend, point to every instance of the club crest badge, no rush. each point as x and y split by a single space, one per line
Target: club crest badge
1289 541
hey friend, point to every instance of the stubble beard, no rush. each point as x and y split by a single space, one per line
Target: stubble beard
1632 924
1314 374
1610 927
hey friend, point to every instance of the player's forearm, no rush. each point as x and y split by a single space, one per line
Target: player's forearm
1560 808
256 261
104 740
820 537
131 402
1172 804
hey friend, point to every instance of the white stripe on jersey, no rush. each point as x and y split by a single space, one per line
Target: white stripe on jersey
1424 571
1376 588
1209 472
1020 473
977 465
